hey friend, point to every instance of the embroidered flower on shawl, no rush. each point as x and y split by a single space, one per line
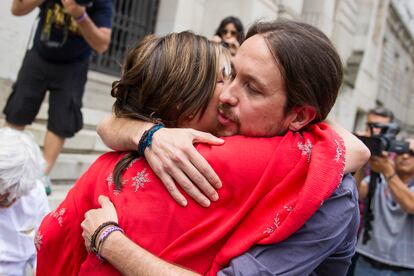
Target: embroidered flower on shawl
276 224
110 182
288 208
140 179
38 240
58 214
339 151
306 148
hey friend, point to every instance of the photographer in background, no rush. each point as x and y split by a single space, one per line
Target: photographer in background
67 32
230 33
389 249
378 115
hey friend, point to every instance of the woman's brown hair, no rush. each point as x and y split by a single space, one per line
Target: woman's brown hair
165 79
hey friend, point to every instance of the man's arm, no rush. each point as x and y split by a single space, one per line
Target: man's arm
121 133
23 7
402 194
97 38
139 261
172 156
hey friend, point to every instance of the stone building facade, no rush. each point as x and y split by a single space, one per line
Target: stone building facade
396 68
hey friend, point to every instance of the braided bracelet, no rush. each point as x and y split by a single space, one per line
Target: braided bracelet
96 233
146 138
105 235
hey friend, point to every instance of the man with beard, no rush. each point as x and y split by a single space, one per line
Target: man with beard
286 75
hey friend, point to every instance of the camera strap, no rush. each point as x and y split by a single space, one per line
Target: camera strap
368 215
48 21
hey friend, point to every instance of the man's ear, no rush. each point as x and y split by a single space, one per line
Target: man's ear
302 116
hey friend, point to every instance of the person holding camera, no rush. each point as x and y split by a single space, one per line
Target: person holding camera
389 247
378 115
58 62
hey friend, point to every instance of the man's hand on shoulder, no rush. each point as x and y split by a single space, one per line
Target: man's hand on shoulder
174 159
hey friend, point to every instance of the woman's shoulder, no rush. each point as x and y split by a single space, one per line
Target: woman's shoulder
104 164
241 145
240 153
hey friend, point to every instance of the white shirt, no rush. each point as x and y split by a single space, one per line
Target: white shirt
18 225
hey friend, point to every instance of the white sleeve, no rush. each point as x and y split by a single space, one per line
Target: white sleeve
41 203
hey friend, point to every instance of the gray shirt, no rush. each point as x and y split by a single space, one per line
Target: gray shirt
323 246
392 235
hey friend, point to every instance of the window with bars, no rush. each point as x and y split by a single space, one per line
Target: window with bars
133 19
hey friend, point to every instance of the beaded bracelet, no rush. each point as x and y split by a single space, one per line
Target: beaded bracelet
105 235
96 233
146 138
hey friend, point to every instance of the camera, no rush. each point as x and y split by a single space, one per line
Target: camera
85 3
385 140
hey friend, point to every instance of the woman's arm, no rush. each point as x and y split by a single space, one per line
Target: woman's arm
357 154
172 156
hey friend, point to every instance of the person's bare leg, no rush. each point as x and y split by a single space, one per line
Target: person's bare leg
52 147
13 126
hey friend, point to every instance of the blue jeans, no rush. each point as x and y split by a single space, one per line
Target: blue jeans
362 268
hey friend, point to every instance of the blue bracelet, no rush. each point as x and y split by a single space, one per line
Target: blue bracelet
146 139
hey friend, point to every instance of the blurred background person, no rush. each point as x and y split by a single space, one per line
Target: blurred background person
23 202
377 115
230 33
389 249
67 32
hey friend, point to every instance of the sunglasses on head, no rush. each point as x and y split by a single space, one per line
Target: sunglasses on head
225 31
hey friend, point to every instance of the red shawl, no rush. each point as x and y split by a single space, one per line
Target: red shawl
271 187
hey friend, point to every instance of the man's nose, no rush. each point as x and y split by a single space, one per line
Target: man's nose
228 95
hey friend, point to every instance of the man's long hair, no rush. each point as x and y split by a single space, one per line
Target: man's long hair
310 65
